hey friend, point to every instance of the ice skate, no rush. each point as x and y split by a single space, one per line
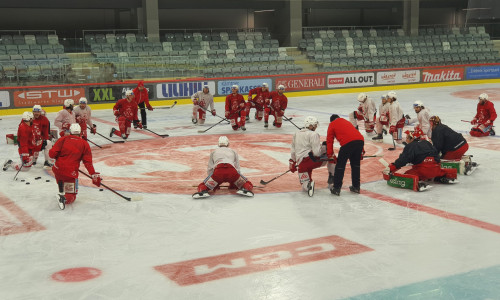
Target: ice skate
194 120
422 186
244 192
378 138
335 191
112 132
47 164
266 124
354 189
144 126
61 201
243 128
492 132
202 194
310 188
7 164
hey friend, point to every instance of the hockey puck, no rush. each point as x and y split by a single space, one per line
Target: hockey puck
36 178
47 180
100 190
22 180
27 183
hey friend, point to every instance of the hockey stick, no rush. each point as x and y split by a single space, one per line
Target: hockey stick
107 138
202 131
266 182
102 147
161 135
107 187
393 143
165 107
22 165
290 120
206 110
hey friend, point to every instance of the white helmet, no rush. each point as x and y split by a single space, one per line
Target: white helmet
310 121
129 93
223 141
392 95
75 129
384 96
82 100
265 85
362 97
235 87
418 103
206 87
69 102
27 116
281 87
37 108
483 96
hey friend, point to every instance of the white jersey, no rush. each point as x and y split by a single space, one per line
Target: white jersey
383 110
304 142
223 155
423 119
85 114
395 113
64 117
368 109
204 100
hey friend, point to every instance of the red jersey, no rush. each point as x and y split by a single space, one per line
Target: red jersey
69 151
485 112
126 109
343 131
233 102
25 138
278 102
259 94
41 128
141 96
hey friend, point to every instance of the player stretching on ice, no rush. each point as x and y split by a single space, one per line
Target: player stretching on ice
396 118
83 116
485 116
25 143
65 117
259 101
41 136
423 115
235 108
224 166
125 111
279 102
425 160
68 151
383 119
366 112
305 154
201 101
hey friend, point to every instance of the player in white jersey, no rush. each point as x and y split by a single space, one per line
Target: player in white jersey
201 101
83 116
423 116
396 118
366 112
306 154
65 117
383 118
224 166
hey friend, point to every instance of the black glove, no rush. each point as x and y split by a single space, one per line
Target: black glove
312 157
407 117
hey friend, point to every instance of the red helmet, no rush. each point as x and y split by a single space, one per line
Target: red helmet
435 120
415 134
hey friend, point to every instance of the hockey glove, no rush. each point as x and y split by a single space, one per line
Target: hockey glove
392 129
487 123
213 112
93 129
407 117
312 157
474 121
292 165
138 124
195 102
116 113
96 179
392 168
65 126
150 107
242 105
26 158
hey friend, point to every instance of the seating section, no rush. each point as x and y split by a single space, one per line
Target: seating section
339 50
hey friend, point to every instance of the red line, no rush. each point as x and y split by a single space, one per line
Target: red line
114 124
434 211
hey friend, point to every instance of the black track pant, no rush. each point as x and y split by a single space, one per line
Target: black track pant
142 108
352 152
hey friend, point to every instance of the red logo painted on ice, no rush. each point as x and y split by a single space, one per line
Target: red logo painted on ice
262 259
14 220
438 75
76 274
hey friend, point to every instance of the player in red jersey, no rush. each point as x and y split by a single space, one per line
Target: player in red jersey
25 143
485 116
125 111
259 101
235 108
277 107
41 136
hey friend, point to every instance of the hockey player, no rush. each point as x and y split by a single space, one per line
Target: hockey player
201 101
224 166
65 117
41 136
351 148
306 153
485 116
425 160
396 118
366 112
125 111
68 151
235 108
451 144
383 118
258 102
25 143
279 103
142 99
83 116
423 115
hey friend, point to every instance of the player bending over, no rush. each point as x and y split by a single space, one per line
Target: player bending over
366 112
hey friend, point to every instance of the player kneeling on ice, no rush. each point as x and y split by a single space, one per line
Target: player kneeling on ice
258 102
306 154
425 160
201 101
235 108
224 166
276 108
68 151
383 119
366 112
485 116
423 115
41 136
452 146
83 116
25 142
125 111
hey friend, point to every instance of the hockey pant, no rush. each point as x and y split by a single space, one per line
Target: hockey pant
429 169
46 150
278 117
355 117
381 122
225 173
456 154
304 170
199 114
124 126
352 152
68 186
259 109
481 130
233 118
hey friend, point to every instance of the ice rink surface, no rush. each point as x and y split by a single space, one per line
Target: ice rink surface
385 243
